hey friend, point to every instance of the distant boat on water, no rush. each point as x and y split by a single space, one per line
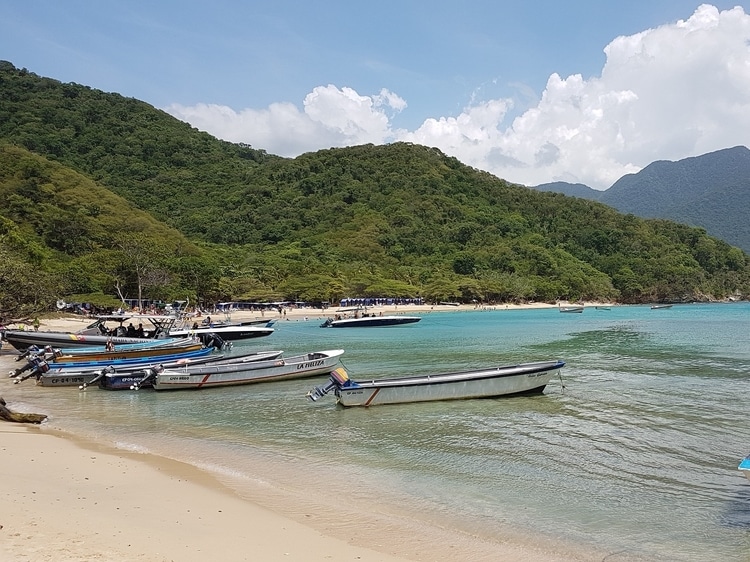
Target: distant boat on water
745 466
658 306
574 308
359 318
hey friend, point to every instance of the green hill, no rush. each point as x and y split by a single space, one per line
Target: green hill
395 220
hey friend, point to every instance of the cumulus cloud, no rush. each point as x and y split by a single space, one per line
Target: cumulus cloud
679 90
331 117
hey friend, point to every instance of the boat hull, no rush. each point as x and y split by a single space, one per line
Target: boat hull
302 366
21 340
526 378
121 354
226 333
372 321
124 375
142 361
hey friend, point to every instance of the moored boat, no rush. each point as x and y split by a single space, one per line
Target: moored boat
525 378
573 308
57 376
227 332
143 378
105 328
38 365
118 353
206 376
370 321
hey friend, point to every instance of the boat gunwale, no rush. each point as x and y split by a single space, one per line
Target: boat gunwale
454 377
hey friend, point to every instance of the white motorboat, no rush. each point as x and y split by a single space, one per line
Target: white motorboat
525 378
206 376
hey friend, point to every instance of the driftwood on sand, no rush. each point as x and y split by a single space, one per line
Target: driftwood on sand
8 415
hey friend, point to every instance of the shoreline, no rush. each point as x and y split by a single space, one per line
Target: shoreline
75 500
83 499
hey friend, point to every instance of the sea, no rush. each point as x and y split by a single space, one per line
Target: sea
630 454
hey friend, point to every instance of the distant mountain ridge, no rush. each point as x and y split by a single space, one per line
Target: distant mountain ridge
711 191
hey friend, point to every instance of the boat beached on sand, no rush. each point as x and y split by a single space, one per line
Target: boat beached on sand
525 378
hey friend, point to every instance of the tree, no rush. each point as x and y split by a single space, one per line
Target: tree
144 260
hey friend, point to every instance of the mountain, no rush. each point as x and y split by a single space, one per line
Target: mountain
392 220
711 191
570 189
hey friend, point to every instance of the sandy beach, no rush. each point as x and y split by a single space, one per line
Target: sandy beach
70 500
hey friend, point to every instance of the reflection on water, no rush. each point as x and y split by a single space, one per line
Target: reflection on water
633 452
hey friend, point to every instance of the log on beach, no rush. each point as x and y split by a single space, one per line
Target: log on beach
11 416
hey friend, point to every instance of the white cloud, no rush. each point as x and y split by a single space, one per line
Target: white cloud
672 92
331 117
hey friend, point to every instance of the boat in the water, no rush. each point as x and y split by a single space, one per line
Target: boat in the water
660 306
38 365
207 376
370 321
744 466
573 308
114 379
105 328
227 332
525 378
57 376
130 329
114 353
359 318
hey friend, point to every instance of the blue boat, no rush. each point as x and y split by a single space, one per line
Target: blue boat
745 466
38 366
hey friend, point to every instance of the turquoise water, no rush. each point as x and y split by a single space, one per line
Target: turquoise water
632 455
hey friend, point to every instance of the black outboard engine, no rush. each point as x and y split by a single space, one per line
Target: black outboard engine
214 340
100 375
151 374
38 367
47 353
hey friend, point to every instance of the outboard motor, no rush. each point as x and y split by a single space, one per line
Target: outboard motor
46 353
31 350
216 341
32 362
100 375
151 374
39 367
339 378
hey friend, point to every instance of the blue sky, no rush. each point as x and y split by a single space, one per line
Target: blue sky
524 90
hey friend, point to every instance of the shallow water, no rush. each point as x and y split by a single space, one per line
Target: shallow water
633 453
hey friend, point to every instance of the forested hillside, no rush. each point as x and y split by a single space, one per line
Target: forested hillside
711 191
397 220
